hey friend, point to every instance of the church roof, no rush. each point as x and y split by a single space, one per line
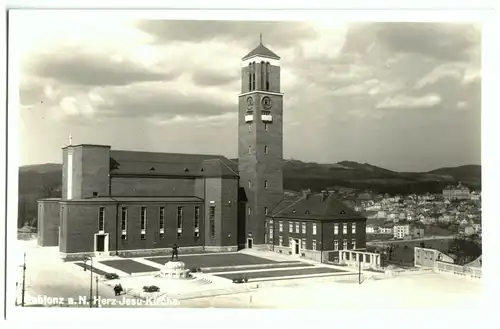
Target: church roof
263 51
315 206
171 164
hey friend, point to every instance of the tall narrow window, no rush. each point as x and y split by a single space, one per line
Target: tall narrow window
253 77
143 223
197 221
335 244
162 222
262 74
344 228
179 221
314 245
290 227
69 179
265 126
344 244
249 211
101 219
353 228
249 184
304 228
336 229
297 227
265 210
265 184
211 218
281 226
143 218
271 234
268 71
280 241
314 228
249 76
265 149
124 220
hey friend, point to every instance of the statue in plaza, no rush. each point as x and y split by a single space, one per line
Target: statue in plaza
175 252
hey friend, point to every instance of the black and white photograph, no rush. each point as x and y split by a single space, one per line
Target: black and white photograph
244 163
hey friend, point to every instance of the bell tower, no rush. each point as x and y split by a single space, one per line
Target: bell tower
260 134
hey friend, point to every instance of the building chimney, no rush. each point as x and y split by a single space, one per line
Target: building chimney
324 195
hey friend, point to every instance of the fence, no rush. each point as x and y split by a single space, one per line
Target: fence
460 270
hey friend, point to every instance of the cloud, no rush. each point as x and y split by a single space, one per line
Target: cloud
278 34
402 101
214 77
75 67
167 77
445 41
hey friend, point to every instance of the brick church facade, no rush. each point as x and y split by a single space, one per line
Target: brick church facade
130 202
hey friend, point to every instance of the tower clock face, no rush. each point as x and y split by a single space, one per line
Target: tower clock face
249 103
266 103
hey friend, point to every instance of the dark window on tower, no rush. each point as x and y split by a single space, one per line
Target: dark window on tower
249 76
268 70
262 73
249 184
265 126
124 219
211 217
101 218
265 149
253 75
265 184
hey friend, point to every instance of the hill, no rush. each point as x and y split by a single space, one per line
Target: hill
43 181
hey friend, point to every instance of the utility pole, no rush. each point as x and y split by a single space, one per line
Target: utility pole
359 269
24 281
97 290
86 258
91 277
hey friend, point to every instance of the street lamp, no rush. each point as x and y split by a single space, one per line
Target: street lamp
85 259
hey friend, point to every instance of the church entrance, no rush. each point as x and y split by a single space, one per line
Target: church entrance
101 244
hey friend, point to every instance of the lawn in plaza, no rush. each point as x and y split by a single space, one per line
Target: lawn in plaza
280 272
215 260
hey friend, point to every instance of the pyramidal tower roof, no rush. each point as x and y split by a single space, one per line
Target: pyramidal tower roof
261 51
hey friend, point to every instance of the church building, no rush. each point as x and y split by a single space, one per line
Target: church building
118 202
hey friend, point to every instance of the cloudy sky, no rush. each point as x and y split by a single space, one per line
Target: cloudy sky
404 96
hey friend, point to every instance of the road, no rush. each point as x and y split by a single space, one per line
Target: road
371 243
51 282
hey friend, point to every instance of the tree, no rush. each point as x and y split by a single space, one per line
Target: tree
466 248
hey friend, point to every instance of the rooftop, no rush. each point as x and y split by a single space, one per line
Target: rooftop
315 206
171 164
262 51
